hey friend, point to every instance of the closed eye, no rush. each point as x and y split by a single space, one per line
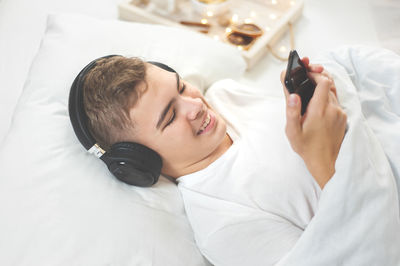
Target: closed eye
172 118
183 88
173 111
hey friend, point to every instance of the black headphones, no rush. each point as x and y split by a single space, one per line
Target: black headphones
130 162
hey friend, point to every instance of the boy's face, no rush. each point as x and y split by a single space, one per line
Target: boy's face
172 118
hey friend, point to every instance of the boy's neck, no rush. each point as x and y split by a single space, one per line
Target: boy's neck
218 152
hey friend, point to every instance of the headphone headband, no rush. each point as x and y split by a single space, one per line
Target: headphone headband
77 111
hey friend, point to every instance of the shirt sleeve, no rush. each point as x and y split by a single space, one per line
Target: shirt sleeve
231 234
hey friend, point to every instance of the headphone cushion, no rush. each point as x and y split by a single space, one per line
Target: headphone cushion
133 163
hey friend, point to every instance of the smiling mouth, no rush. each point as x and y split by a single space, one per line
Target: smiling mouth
205 124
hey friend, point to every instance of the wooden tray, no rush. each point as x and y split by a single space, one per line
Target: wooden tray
271 16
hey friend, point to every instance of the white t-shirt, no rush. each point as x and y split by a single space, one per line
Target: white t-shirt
251 205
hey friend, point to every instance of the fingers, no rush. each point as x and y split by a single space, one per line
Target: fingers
332 98
318 73
315 68
329 76
293 117
306 61
333 90
285 91
283 73
312 67
323 86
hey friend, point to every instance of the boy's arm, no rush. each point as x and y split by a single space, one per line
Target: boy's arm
318 135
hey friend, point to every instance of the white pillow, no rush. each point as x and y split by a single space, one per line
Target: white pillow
59 205
22 25
199 59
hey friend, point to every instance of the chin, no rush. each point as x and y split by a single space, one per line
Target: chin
221 129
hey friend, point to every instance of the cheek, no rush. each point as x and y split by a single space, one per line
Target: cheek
181 131
176 142
178 134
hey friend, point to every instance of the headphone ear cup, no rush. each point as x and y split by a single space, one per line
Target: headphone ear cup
133 163
131 175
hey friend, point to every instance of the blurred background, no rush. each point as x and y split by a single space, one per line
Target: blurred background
328 24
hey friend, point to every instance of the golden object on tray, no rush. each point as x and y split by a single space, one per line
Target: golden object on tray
248 29
244 35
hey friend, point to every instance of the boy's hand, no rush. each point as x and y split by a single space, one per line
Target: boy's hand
317 69
318 135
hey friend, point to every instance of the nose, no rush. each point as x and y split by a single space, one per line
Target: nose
193 108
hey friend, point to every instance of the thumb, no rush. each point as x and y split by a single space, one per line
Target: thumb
293 116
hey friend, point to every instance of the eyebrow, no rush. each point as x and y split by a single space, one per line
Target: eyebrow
166 109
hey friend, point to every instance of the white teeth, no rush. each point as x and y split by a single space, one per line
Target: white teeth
205 124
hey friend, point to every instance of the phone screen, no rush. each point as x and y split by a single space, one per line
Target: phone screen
297 80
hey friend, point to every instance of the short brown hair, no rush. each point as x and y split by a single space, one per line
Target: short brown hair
110 89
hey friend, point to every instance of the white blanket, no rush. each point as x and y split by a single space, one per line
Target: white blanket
357 221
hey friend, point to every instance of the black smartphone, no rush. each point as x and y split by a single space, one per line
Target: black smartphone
297 80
